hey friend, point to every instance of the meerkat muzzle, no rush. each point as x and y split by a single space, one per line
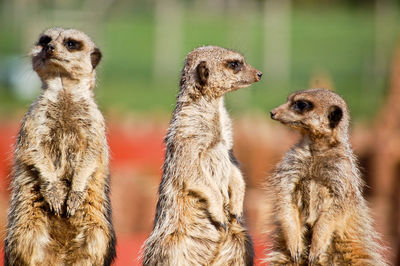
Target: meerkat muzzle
49 49
259 75
272 114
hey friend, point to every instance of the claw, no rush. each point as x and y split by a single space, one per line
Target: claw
296 257
74 201
238 218
54 195
223 225
311 260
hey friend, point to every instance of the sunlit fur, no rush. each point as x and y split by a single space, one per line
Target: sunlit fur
60 211
320 216
202 189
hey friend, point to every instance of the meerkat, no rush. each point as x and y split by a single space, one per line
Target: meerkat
321 217
60 211
199 213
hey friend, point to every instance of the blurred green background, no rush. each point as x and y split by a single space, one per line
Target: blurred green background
346 45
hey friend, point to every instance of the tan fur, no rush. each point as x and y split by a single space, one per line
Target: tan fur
60 209
320 214
198 217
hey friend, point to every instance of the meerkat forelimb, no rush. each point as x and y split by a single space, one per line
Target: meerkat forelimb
236 193
320 214
199 212
60 212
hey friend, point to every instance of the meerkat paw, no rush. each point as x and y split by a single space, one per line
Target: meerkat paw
320 241
218 215
54 194
296 249
236 198
74 201
236 211
314 254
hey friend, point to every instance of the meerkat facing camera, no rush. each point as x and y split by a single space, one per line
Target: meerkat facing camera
60 211
199 212
320 214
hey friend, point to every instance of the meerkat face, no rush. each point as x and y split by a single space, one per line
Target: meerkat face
317 111
217 70
64 52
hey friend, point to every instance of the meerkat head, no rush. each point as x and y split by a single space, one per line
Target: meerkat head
212 71
65 52
319 113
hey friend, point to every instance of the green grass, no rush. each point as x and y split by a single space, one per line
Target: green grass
337 40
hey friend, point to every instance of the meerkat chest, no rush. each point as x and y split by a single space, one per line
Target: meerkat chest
217 164
316 199
225 124
69 116
67 127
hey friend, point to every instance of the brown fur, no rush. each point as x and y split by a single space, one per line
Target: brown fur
60 209
320 214
199 212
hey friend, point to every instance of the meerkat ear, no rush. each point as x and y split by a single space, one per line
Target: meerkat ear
335 115
95 57
202 73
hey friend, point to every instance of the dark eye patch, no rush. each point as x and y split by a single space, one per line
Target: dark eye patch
44 40
301 106
73 45
235 65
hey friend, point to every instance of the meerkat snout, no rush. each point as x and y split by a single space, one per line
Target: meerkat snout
259 75
49 49
272 114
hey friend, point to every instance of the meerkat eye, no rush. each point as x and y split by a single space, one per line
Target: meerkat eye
44 40
236 65
73 45
301 106
233 64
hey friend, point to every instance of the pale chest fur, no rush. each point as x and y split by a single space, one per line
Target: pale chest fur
208 127
220 153
217 165
311 191
63 124
312 198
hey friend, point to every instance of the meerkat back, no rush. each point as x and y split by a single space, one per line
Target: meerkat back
60 212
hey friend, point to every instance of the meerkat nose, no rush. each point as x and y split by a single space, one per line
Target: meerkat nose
50 48
259 75
272 113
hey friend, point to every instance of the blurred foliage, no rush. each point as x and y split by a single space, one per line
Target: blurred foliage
338 39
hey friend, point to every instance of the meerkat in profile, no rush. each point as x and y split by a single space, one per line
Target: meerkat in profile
320 214
60 211
199 212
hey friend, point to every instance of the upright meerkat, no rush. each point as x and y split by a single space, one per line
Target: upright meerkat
320 214
60 211
198 217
